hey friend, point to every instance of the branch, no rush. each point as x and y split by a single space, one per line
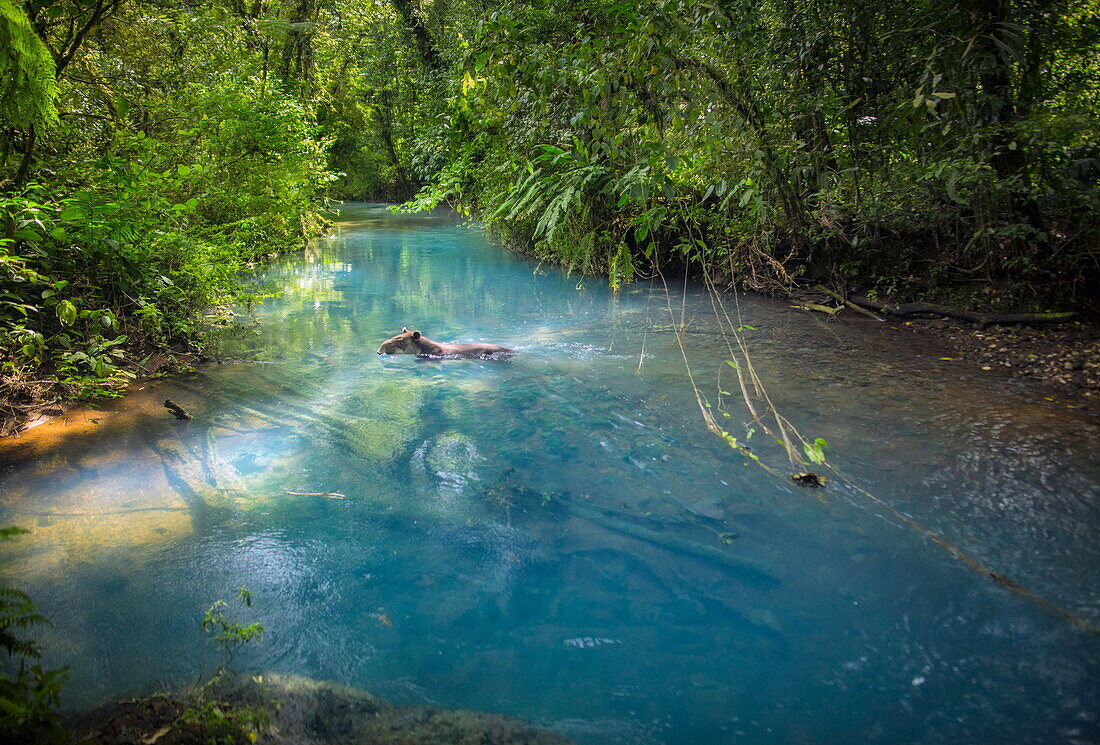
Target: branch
908 310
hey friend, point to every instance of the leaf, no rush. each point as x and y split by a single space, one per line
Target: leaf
66 312
183 170
815 450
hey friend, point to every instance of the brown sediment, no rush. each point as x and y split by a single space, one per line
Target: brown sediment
27 404
77 424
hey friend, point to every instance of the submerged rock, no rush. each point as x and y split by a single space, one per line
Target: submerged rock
429 726
444 470
378 421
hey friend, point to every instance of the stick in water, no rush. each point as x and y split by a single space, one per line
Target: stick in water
176 409
329 494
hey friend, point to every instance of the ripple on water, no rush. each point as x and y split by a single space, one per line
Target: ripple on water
557 536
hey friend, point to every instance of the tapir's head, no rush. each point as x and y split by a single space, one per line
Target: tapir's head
403 343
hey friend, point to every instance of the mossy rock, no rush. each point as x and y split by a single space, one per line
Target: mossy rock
387 400
382 420
454 454
156 719
311 712
305 712
380 440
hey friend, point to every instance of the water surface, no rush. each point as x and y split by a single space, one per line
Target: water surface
557 536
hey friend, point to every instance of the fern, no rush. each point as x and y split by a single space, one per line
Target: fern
554 194
28 86
29 695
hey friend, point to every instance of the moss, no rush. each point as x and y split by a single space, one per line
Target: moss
308 712
380 440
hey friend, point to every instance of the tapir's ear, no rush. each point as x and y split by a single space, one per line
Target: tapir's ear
416 334
404 329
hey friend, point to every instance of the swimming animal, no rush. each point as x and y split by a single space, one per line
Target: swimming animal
413 342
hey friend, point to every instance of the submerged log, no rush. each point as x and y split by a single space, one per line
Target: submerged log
225 478
178 411
187 475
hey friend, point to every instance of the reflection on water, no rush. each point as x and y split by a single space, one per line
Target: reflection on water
557 536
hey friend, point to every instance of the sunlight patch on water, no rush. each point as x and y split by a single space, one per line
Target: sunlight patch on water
556 536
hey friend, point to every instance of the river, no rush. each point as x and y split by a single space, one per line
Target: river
557 536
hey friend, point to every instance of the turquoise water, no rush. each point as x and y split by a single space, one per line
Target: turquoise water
557 536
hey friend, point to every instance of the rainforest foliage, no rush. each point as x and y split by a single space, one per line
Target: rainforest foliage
150 149
908 145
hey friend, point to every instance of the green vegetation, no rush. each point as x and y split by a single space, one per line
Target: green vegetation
149 151
903 145
137 178
222 723
29 694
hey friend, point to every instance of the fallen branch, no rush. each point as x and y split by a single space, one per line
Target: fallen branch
908 310
176 409
806 305
329 494
841 299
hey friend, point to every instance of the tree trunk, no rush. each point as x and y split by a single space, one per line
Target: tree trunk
1008 156
429 54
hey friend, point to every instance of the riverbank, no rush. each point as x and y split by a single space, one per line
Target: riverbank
1063 357
1066 357
31 395
27 404
300 711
